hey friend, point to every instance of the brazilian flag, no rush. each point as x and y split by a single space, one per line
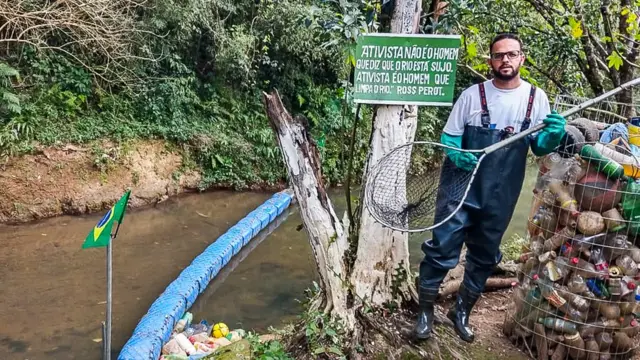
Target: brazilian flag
101 233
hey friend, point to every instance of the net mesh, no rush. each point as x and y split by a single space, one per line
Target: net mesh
415 187
578 295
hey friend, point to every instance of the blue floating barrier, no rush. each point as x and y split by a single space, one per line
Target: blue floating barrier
155 327
263 216
253 223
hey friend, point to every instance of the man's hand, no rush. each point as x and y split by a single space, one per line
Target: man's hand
551 135
463 160
555 125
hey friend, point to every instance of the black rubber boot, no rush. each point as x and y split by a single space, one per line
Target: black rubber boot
461 311
424 324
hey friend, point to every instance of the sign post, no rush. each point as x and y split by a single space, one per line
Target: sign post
406 69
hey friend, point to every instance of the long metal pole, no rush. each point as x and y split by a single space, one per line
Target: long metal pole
107 342
104 341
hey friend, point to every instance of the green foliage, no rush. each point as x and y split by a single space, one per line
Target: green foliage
268 350
323 335
203 93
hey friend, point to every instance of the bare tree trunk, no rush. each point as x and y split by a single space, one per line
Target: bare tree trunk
326 233
382 252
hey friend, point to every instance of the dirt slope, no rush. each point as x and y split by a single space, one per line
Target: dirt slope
75 180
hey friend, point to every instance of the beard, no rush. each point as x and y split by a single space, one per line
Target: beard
506 76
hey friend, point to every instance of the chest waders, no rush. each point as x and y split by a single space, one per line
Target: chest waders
480 223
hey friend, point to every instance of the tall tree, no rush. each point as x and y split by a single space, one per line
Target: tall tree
579 47
370 267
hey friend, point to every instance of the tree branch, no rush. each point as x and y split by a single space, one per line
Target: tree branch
468 67
105 31
622 25
548 76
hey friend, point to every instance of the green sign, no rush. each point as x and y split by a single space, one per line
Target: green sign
411 69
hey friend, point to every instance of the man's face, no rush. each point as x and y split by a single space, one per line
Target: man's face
506 59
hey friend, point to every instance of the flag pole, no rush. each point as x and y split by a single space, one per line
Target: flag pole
107 342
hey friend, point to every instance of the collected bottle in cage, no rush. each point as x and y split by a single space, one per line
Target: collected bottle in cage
577 284
613 220
621 342
544 221
575 345
603 164
629 267
549 293
586 269
596 257
546 257
559 325
568 205
615 245
555 241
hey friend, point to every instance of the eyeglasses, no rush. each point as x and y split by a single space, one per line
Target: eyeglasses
512 55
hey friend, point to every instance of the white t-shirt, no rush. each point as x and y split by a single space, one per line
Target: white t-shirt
506 108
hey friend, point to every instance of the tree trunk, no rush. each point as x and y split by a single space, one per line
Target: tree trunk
327 236
383 253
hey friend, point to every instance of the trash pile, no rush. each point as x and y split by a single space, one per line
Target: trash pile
194 341
579 280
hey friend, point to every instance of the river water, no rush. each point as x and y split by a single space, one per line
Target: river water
53 292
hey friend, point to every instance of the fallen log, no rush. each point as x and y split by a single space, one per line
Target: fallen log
451 287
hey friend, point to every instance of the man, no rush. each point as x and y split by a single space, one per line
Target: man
485 114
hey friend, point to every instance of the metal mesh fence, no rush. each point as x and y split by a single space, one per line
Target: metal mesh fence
579 280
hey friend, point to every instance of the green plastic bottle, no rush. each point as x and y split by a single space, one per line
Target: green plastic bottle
559 325
608 167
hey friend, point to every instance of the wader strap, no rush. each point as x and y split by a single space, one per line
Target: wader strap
484 118
527 118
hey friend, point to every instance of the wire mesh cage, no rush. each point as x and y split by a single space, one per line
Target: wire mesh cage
579 273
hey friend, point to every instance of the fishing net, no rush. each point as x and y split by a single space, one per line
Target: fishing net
579 281
415 187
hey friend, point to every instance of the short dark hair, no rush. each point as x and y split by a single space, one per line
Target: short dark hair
502 36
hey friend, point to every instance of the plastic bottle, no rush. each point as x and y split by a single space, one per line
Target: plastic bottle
568 251
568 205
634 252
591 348
592 328
609 311
595 288
614 285
524 257
621 342
551 295
586 269
552 272
563 265
575 346
577 285
578 302
613 220
559 325
184 322
554 242
616 245
546 257
596 257
537 245
629 267
603 339
545 221
631 327
603 164
185 344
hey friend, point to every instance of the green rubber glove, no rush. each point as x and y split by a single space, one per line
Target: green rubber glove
549 138
462 160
